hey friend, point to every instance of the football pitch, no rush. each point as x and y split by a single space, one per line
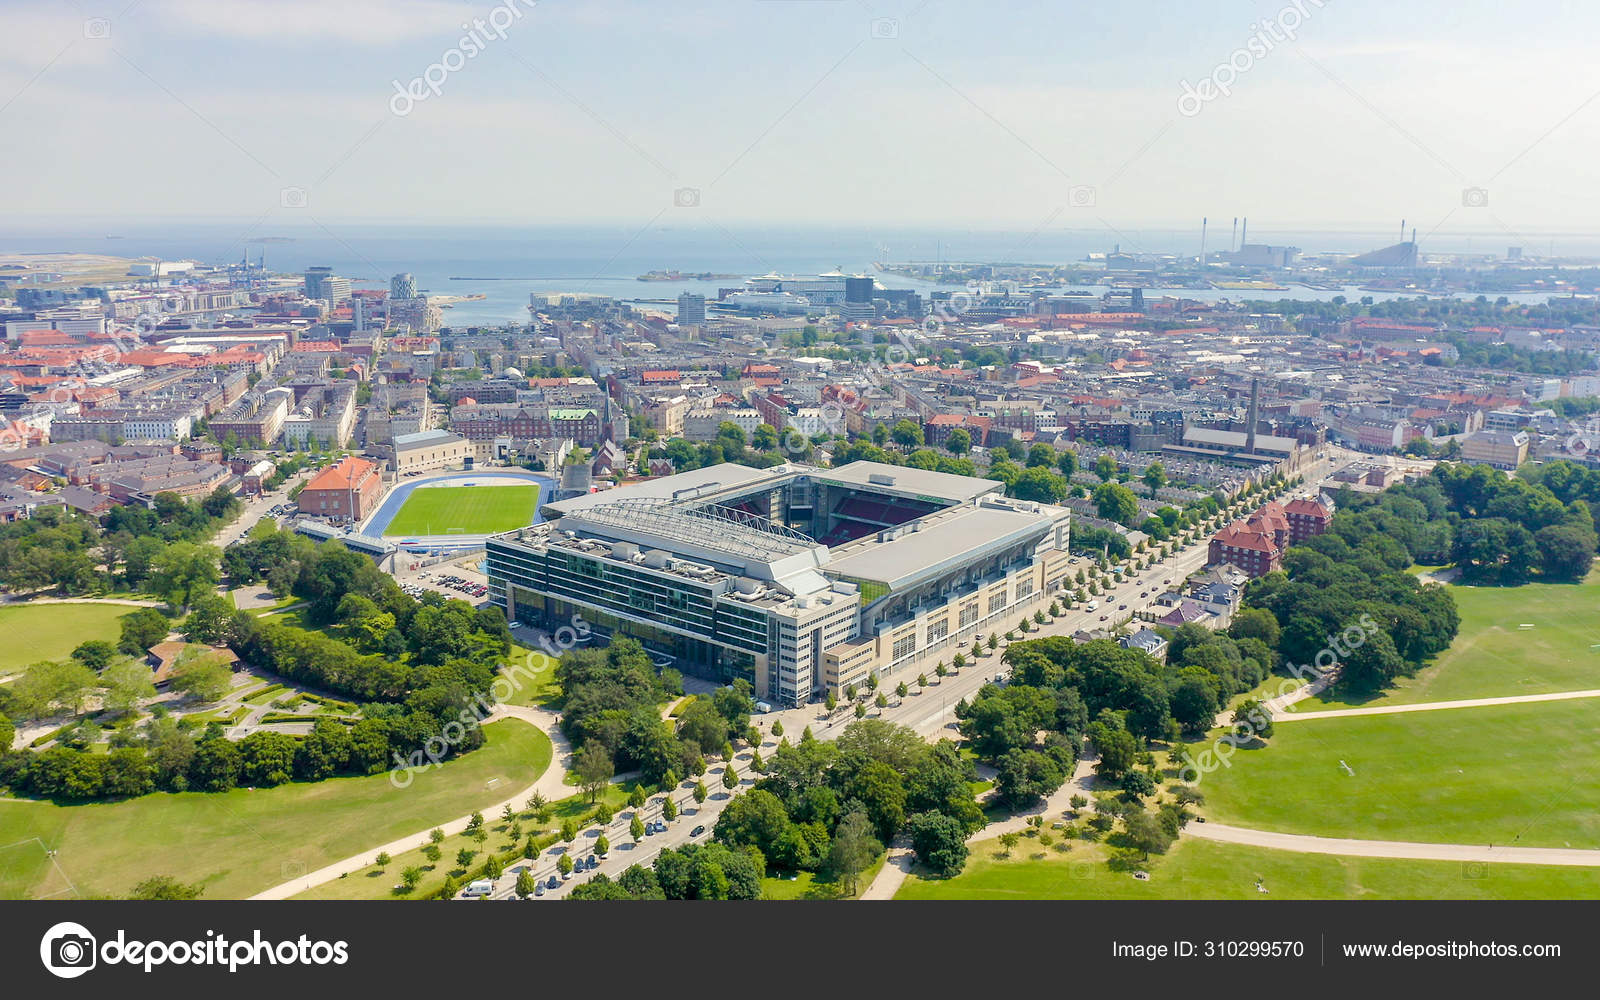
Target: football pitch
465 510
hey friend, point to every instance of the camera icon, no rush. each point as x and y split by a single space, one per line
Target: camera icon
292 870
1081 196
96 27
885 27
1475 869
1475 197
292 197
686 198
68 950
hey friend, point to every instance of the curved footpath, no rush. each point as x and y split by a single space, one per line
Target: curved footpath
1305 844
551 784
1433 706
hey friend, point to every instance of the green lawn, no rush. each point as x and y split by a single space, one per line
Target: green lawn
52 631
533 673
1202 869
1493 657
238 843
1466 775
471 510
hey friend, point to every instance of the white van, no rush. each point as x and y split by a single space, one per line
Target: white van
482 887
1091 606
763 707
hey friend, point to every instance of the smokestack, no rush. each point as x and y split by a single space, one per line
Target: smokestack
1203 221
1244 237
1235 237
1255 405
1413 235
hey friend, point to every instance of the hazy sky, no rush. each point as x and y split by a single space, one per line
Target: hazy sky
895 112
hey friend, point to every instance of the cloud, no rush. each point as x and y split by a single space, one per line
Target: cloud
349 22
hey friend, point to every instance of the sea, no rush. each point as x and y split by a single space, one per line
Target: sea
505 264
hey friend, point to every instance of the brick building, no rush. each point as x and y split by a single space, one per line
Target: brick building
347 490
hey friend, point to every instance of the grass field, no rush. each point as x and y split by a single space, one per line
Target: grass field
469 510
1522 773
1202 869
52 631
1493 657
240 842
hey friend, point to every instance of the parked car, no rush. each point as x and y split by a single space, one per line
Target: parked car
697 831
552 883
538 888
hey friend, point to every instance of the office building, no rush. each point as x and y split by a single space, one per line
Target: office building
799 579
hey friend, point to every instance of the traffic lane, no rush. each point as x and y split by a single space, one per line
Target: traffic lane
623 851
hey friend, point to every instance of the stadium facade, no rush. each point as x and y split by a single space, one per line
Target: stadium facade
800 579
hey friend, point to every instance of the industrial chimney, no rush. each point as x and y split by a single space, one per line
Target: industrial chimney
1250 418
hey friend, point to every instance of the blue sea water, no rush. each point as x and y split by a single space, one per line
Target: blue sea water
507 263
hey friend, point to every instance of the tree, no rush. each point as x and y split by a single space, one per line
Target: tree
595 769
436 836
412 875
97 654
861 710
907 434
940 670
126 684
49 685
142 629
730 776
1155 477
853 849
204 676
636 828
165 887
602 846
1106 468
958 661
209 618
525 884
569 830
183 572
564 864
431 852
900 692
464 857
994 642
1009 842
831 702
881 701
636 797
940 842
959 441
1067 462
777 728
1145 833
669 809
539 807
1116 502
382 861
699 791
1139 783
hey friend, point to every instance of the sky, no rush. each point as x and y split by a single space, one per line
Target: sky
1460 116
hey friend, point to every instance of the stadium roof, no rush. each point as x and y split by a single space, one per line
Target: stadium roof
705 482
906 481
942 541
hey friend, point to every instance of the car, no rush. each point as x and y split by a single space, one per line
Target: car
697 831
592 863
482 887
552 883
513 624
1103 617
538 888
1122 607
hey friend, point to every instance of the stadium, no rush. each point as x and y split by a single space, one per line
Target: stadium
801 580
456 510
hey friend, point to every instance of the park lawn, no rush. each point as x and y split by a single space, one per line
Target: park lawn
1492 657
1203 869
1520 773
810 885
374 883
240 842
470 510
37 632
532 674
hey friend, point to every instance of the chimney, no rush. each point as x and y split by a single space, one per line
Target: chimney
1235 237
1245 236
1250 429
